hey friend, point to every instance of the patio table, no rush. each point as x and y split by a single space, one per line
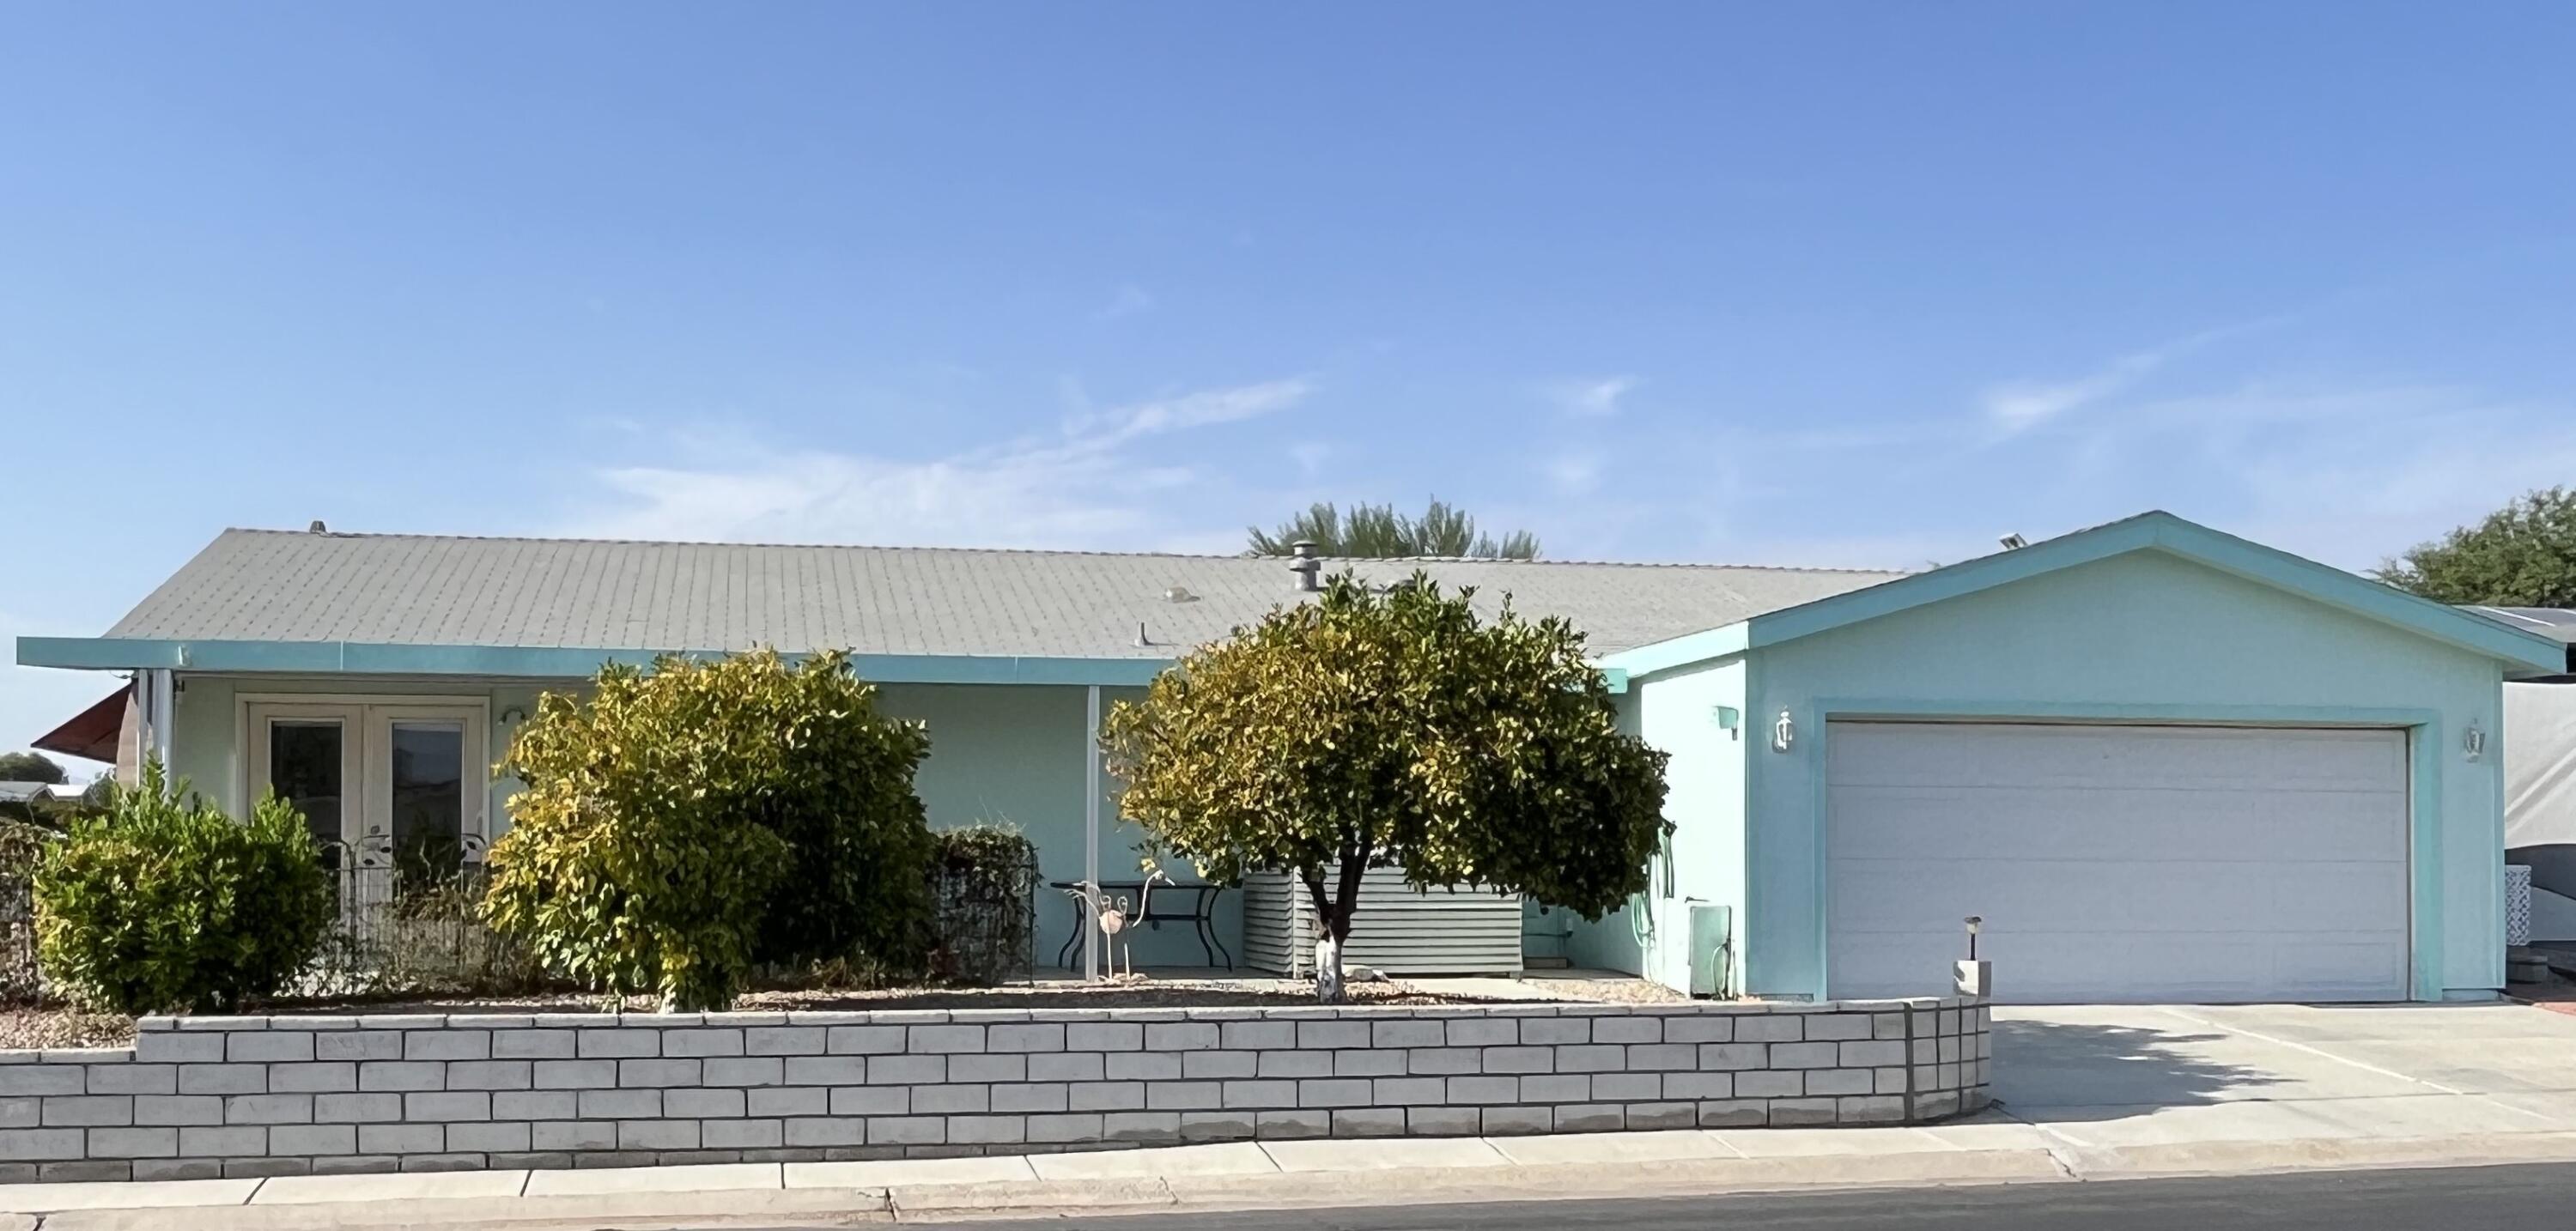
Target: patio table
1170 902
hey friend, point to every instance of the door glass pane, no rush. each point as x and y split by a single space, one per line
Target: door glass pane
428 801
304 769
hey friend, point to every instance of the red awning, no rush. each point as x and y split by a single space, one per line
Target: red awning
92 732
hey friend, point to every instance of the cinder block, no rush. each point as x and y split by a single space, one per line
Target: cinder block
488 1075
584 1136
1732 1057
1518 1059
1025 1037
1480 1032
773 1041
1517 1121
1197 1126
130 1143
1663 1057
357 1108
1590 1118
620 1104
314 1139
1218 1065
1871 1109
988 1068
1106 1096
1836 1027
532 1044
743 1071
1555 1031
150 1169
700 1104
783 1101
1475 1090
1065 1066
948 1099
1256 1035
657 1134
1286 1124
908 1131
1801 1112
1699 1086
21 1111
1332 1034
168 1047
1180 1036
1370 1121
503 1137
268 1046
133 1078
1591 1058
659 1074
1185 1095
834 1070
194 1078
269 1109
1256 1094
826 1132
1443 1061
178 1109
1644 1116
876 1101
712 1042
354 1045
618 1043
863 1040
743 1134
1770 1028
943 1040
1871 1054
319 1077
1104 1036
1046 1097
1408 1032
1064 1127
1556 1088
1443 1121
1145 1127
443 1162
1804 1055
1769 1085
1887 1026
444 1106
1371 1062
1841 1081
1327 1092
1734 1113
535 1105
989 1130
565 1074
905 1070
230 1141
392 1075
1293 1064
1699 1028
1627 1087
1628 1030
447 1045
86 1110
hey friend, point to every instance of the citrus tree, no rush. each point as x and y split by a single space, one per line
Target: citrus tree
684 825
1393 729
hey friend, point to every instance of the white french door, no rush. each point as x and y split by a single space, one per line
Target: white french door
381 782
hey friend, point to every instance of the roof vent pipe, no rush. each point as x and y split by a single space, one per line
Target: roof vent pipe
317 527
1309 570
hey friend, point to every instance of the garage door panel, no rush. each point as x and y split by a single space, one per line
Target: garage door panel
2118 823
2119 862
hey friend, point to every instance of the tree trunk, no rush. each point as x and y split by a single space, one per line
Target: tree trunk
1328 969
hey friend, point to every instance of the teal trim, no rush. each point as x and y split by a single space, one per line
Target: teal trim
1678 652
2425 746
552 662
2529 653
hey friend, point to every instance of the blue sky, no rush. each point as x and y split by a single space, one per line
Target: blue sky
1811 284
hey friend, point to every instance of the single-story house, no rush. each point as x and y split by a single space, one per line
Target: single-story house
2159 762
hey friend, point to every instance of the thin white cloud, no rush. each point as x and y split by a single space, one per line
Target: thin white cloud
2015 405
1085 487
1573 474
1125 300
1594 398
1310 458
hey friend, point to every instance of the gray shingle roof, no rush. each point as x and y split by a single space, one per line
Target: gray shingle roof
267 585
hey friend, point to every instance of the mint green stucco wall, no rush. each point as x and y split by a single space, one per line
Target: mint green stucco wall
1704 800
998 753
2146 636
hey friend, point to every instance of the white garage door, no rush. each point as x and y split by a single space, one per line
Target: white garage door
2118 863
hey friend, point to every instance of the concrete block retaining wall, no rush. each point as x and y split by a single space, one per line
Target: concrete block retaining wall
236 1096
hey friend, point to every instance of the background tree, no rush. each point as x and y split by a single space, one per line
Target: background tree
1374 730
30 767
2522 555
687 824
1377 531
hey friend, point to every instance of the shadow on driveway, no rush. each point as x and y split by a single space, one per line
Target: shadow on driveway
2098 1071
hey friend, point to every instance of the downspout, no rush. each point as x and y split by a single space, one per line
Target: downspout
1091 831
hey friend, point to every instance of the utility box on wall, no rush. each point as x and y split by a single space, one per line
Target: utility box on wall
1712 949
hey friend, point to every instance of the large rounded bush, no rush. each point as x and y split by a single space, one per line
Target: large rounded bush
686 824
163 903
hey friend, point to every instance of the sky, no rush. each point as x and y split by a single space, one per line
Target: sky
1814 284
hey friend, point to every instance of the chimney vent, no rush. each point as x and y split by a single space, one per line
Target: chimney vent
317 527
1309 570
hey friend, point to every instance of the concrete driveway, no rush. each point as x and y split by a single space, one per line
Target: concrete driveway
2109 1076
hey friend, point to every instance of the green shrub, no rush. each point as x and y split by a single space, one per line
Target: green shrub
984 884
162 902
689 823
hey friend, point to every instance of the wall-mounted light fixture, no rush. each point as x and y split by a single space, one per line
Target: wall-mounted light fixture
1728 719
1784 732
2473 742
513 716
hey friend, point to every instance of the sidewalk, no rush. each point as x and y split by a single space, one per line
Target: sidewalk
1989 1149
